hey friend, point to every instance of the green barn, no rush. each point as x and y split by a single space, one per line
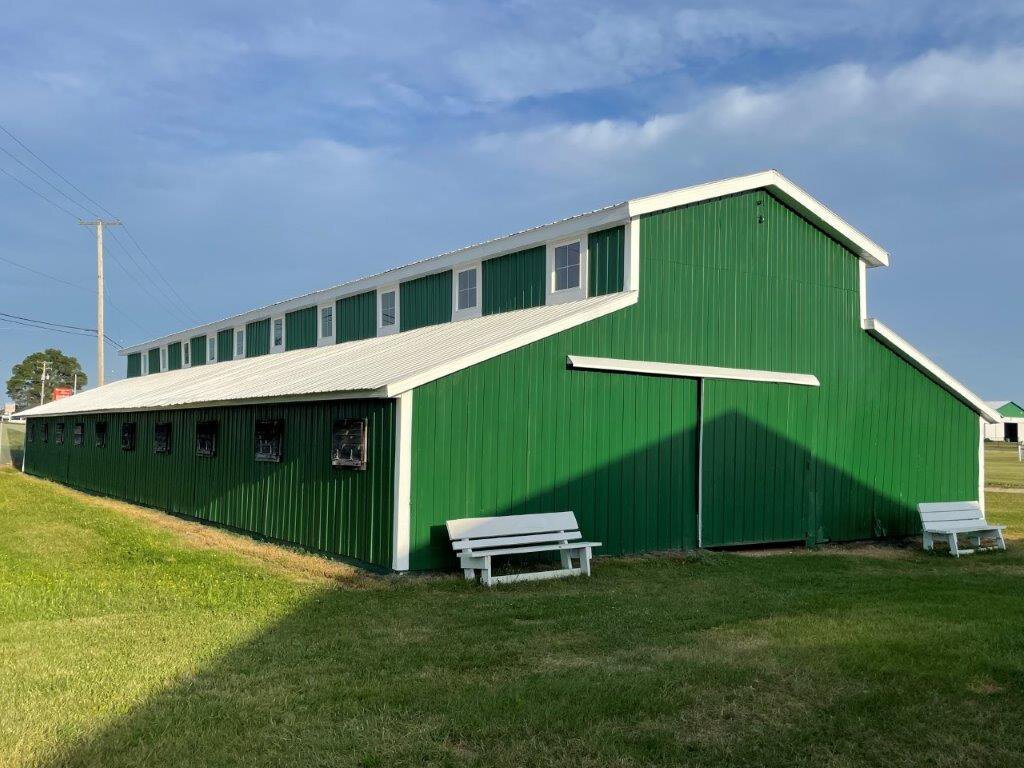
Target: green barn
691 369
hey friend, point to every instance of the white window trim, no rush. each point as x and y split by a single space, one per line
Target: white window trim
145 364
477 311
321 340
211 348
284 331
387 330
239 355
567 294
163 358
186 357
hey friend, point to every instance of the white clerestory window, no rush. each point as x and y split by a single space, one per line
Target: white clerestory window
567 266
239 342
326 324
211 349
466 299
277 338
567 271
186 351
387 311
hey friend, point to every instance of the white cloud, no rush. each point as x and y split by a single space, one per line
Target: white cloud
841 103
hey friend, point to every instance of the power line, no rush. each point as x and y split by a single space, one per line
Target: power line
53 170
80 287
156 269
58 325
36 192
157 298
187 309
43 179
59 330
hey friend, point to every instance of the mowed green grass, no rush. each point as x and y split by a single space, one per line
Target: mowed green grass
124 643
1003 469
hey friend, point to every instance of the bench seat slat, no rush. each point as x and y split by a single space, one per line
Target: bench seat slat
502 541
963 528
483 552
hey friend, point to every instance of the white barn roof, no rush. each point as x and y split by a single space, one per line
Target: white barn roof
382 366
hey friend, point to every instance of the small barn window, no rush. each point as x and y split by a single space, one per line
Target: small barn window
163 358
211 349
278 340
128 436
206 438
162 438
44 432
240 342
30 432
269 439
186 349
58 435
348 444
78 433
567 266
101 434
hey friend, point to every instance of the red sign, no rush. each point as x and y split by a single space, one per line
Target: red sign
61 392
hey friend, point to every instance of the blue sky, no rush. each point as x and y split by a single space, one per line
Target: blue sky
261 150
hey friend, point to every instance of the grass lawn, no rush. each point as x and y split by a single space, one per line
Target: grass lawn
129 638
1002 467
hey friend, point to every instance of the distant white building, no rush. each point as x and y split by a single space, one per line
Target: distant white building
1011 428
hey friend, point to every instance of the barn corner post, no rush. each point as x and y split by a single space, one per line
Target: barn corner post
401 528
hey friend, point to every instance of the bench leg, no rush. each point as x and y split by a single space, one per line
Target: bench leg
566 559
485 572
1001 542
953 548
976 540
469 573
927 542
585 561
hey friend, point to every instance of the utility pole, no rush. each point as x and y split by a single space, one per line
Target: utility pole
99 224
42 383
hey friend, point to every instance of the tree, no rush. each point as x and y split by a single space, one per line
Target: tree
23 386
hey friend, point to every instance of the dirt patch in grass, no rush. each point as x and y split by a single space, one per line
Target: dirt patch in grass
895 550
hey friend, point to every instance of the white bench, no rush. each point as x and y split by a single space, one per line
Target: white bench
478 539
949 519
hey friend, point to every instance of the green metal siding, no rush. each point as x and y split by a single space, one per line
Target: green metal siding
225 345
606 268
300 328
742 282
514 281
134 365
1012 411
257 338
154 360
301 500
425 301
174 356
198 353
355 317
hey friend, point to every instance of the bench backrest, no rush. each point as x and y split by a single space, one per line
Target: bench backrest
950 512
513 530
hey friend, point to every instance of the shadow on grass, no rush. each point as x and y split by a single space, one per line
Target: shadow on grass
713 660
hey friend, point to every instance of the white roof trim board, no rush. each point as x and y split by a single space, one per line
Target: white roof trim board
912 354
650 368
383 366
815 211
